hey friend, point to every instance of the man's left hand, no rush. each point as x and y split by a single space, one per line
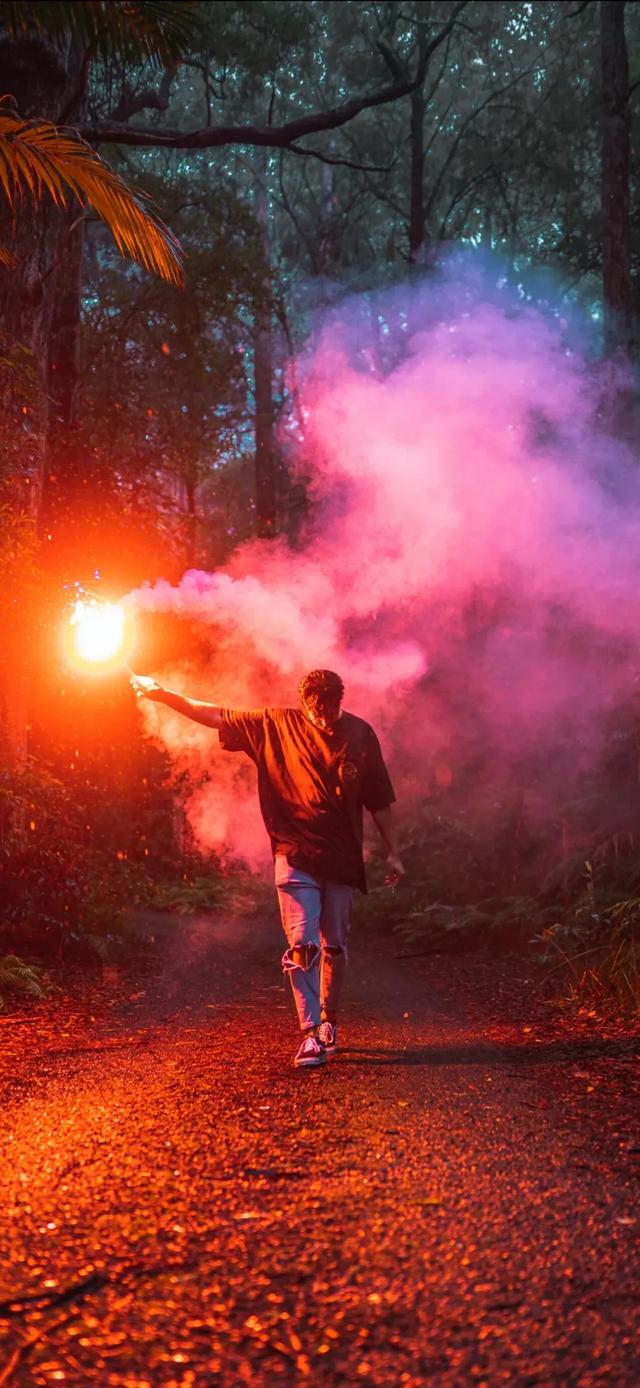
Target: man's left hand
394 870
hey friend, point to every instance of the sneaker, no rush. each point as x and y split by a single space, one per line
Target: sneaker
311 1052
328 1037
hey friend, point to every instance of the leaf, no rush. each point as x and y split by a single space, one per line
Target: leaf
37 156
153 31
18 977
7 258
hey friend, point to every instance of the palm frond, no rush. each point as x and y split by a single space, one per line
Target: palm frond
155 31
35 156
7 258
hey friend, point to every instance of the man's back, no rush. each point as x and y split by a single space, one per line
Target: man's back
313 783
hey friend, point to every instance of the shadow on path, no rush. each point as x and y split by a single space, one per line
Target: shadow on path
544 1053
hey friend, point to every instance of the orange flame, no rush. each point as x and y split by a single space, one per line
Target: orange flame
98 634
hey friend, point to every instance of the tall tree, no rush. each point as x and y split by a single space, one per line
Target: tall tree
47 177
264 413
616 138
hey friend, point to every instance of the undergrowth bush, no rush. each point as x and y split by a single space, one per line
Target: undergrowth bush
18 977
236 891
594 942
61 893
580 919
72 867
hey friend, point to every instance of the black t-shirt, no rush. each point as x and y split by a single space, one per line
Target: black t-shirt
312 786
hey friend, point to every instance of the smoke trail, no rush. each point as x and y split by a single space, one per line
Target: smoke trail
471 568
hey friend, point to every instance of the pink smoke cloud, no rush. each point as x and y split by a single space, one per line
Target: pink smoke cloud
470 569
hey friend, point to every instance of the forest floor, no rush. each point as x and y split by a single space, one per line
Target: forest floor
451 1200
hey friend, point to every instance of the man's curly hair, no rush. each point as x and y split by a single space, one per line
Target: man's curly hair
321 682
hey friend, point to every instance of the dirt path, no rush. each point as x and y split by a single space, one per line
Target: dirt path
451 1201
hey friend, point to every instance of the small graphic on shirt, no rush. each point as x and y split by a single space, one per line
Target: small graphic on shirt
348 771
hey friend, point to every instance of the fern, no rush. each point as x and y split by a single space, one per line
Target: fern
18 977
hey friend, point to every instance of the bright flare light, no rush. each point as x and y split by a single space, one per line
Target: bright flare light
99 631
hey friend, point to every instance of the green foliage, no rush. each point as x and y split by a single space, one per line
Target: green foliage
460 873
172 379
37 159
190 897
594 938
153 31
61 893
234 892
579 919
18 977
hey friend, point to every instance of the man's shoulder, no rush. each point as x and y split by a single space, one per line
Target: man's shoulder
357 728
282 717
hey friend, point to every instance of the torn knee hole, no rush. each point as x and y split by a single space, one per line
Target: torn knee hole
300 957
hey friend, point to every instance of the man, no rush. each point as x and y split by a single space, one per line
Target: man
317 767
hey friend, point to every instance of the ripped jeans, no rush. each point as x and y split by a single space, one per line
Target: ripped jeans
316 916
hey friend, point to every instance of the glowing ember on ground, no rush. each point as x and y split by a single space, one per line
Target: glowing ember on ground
99 633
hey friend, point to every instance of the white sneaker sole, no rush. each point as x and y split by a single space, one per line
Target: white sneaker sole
313 1060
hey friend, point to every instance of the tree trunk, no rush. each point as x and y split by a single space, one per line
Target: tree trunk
417 211
616 260
36 79
265 464
64 337
66 473
416 204
42 83
73 486
191 487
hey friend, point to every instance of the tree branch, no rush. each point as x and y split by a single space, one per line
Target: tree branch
438 39
344 163
150 100
398 69
274 137
395 65
287 205
501 91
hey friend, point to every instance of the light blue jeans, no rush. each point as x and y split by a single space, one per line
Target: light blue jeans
316 916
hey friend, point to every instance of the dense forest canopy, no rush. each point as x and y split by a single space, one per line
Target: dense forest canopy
277 144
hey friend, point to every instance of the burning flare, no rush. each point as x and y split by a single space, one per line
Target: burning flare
99 632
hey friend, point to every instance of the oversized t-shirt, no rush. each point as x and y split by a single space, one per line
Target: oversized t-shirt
312 786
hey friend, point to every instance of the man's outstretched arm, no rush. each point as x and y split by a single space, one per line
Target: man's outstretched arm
195 709
384 822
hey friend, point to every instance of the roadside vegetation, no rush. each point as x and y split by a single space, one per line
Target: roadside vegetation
577 919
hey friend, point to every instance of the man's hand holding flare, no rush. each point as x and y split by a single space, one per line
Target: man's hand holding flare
210 715
144 687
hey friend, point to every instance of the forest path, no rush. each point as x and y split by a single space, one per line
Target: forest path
451 1200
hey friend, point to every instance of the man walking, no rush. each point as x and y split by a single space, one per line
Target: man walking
317 768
